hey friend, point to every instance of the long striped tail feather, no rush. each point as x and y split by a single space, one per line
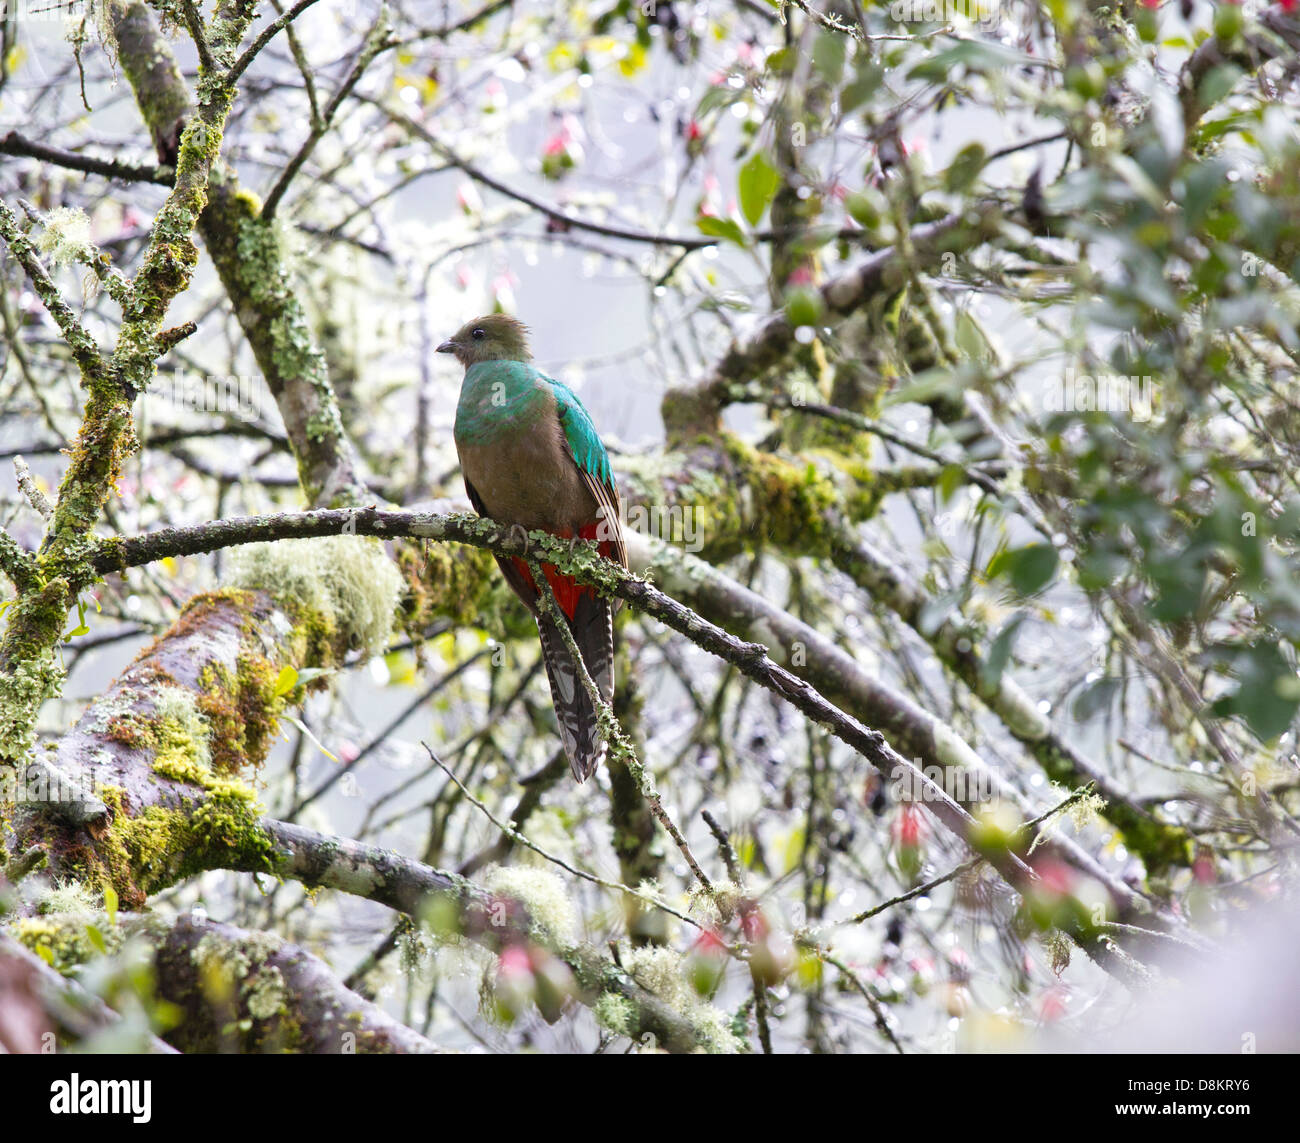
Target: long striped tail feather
592 626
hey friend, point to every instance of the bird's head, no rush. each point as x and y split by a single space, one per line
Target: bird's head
496 337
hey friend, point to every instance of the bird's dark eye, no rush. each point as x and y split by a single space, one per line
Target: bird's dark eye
477 335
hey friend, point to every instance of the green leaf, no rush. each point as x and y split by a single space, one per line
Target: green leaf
995 662
715 227
758 183
951 479
857 91
971 338
309 675
965 168
1030 569
96 938
829 52
81 627
1218 82
110 904
927 386
974 55
285 681
782 61
716 98
1268 691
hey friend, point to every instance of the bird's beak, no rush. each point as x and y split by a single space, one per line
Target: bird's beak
447 346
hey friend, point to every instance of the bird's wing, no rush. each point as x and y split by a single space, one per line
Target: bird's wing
588 452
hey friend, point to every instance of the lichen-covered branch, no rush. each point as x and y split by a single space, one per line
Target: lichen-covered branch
233 990
170 746
1157 842
696 408
489 919
245 247
36 1000
28 671
751 658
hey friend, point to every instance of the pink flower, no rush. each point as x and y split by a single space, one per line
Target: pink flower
1203 865
1056 876
514 962
754 925
907 827
1052 1006
709 943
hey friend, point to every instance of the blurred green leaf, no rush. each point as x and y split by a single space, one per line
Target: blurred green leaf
829 52
999 654
725 228
758 184
1029 569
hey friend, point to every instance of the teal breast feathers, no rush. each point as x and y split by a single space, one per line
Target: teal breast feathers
498 398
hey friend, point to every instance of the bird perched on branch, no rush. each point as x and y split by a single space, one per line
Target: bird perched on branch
531 457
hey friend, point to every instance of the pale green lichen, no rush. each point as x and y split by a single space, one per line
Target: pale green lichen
663 972
66 237
227 966
265 993
349 581
1085 810
549 904
23 690
614 1013
108 708
71 897
66 941
717 905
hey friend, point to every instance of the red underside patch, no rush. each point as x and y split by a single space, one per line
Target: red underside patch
567 590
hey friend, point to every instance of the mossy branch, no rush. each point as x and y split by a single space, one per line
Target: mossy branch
28 672
585 564
70 1010
697 408
411 887
245 247
234 989
84 349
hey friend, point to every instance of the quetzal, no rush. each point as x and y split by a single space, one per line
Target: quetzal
530 456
